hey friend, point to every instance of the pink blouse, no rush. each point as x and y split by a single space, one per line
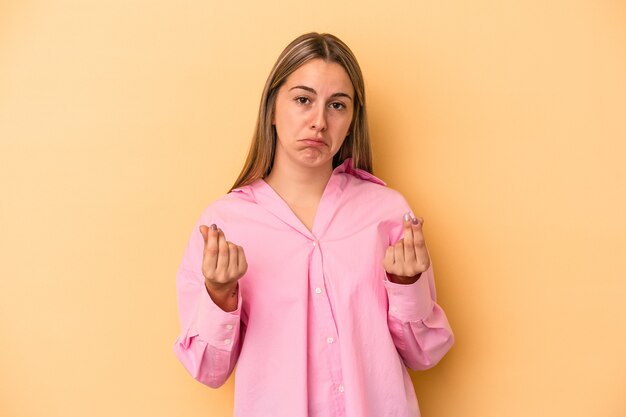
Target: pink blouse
319 330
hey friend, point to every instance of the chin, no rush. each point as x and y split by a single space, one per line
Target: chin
315 161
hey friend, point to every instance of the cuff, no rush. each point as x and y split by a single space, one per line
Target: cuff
410 302
216 326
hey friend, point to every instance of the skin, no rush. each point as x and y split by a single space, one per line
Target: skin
223 263
312 116
406 260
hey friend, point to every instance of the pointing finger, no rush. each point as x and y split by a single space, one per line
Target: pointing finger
409 250
211 247
418 235
222 260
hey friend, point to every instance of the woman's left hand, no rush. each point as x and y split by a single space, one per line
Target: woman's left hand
408 258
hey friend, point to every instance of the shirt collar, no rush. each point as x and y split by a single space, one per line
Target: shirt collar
347 168
344 168
259 192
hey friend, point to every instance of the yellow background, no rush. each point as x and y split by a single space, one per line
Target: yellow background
502 122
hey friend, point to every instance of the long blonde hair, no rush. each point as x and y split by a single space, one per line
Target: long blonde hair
301 50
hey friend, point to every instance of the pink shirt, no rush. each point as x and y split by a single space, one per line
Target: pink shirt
319 330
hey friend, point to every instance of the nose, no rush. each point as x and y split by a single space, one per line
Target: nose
318 118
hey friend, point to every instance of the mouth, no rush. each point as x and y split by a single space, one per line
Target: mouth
313 142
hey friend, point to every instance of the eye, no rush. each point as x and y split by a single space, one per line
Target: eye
302 100
337 106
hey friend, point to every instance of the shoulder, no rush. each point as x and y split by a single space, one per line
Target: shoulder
225 207
372 193
365 185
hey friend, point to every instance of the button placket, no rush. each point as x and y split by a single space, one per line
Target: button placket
326 332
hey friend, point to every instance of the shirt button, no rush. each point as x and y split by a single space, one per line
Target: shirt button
314 243
229 326
227 342
341 388
394 310
330 340
318 290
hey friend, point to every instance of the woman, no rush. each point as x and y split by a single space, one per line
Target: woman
311 275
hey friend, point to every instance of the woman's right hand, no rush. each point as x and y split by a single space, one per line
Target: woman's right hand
223 264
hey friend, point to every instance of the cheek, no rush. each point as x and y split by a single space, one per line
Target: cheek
283 124
344 126
284 117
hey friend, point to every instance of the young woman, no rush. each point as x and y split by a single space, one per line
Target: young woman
311 275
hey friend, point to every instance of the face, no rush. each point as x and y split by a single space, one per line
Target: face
313 113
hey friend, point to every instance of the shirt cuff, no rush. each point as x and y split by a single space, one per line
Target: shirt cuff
215 326
410 302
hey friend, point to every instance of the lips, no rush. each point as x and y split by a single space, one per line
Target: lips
313 141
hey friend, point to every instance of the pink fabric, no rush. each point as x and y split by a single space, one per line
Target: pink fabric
319 330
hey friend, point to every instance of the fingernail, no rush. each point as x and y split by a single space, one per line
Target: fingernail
415 221
407 217
213 227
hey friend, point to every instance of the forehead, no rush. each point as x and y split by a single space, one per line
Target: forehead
321 75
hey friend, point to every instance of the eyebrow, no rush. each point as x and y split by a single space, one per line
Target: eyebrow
311 90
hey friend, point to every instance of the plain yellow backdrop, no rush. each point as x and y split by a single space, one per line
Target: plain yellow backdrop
502 122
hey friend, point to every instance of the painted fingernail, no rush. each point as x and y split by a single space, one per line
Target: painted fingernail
415 220
213 227
407 217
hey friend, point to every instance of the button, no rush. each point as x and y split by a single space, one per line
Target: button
318 290
330 340
394 309
341 388
227 342
229 326
314 243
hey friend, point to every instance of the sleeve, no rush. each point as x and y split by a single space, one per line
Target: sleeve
418 325
210 339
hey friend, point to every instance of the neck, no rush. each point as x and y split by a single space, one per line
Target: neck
294 182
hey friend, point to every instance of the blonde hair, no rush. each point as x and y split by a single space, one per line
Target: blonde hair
301 50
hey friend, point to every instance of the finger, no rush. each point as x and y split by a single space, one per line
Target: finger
409 249
242 264
211 248
418 235
398 252
204 231
222 259
389 259
232 260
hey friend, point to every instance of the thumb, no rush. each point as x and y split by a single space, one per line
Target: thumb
204 231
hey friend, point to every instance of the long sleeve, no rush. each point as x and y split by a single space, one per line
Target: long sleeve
318 331
418 325
210 339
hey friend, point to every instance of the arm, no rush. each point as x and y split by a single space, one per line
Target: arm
418 325
211 338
